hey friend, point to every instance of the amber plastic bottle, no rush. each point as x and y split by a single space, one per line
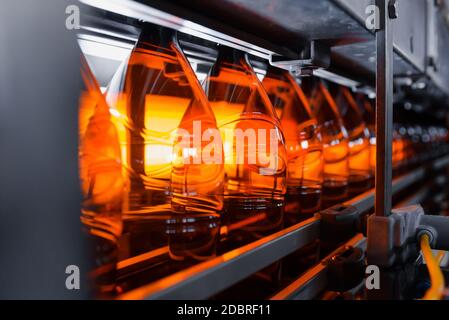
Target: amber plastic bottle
367 108
176 195
254 150
360 173
335 141
303 145
102 183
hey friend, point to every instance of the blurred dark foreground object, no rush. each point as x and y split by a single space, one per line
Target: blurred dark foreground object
40 84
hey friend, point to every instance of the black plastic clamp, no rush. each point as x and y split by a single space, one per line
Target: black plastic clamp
338 223
346 270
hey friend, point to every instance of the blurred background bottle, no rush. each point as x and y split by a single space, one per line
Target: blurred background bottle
101 182
399 146
368 111
157 100
255 158
335 141
360 173
303 145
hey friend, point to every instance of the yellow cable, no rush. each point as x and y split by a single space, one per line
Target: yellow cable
436 289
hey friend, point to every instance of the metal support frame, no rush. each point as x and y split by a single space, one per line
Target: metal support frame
384 108
144 12
314 281
210 277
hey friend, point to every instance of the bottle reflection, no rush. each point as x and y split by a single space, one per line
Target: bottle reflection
102 183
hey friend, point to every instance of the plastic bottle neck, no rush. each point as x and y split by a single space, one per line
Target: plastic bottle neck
230 55
155 35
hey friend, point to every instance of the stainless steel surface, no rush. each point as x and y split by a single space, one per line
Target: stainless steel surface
384 111
140 11
356 8
337 23
266 28
314 281
438 47
409 37
363 55
312 20
420 36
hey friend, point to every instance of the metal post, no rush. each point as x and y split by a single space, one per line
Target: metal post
384 107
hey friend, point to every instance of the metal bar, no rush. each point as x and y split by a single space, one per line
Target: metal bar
384 111
314 281
144 12
363 202
208 278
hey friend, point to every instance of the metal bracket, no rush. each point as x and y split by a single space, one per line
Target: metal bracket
394 239
313 56
346 269
338 223
392 10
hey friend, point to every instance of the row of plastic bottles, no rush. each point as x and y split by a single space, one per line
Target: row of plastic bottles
190 168
415 144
